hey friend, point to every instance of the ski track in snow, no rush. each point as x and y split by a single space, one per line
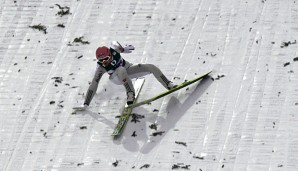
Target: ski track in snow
243 119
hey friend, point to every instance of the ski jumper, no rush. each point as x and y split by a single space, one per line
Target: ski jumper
121 71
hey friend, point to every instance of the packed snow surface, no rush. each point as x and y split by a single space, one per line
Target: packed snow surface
245 117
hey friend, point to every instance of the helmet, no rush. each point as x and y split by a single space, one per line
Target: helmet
103 55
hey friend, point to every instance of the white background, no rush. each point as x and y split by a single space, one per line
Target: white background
246 119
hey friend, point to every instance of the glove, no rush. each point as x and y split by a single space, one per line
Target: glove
128 49
80 108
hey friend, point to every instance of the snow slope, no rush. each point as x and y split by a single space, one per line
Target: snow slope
243 119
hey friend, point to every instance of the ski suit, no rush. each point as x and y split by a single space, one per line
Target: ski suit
121 72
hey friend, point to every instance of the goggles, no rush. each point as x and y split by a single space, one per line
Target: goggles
102 60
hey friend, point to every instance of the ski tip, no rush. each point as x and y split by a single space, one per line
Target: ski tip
208 74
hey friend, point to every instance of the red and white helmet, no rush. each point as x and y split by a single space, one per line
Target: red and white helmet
103 55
